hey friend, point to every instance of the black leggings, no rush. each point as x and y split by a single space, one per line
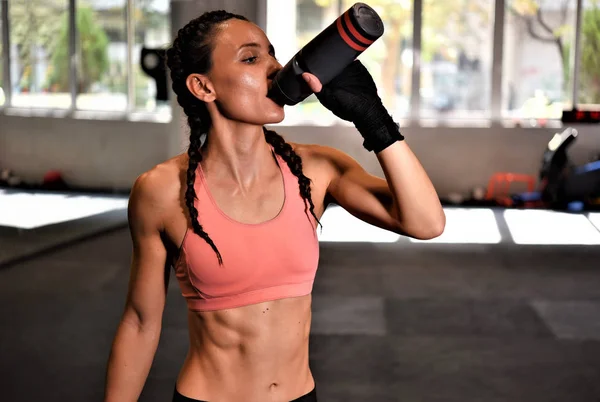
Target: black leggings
310 397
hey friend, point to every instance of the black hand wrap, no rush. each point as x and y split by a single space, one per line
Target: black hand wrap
352 96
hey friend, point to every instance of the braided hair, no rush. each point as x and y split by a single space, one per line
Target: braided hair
191 53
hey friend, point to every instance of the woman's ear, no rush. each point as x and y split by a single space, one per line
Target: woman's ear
201 87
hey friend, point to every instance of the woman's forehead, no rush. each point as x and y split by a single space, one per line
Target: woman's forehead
235 33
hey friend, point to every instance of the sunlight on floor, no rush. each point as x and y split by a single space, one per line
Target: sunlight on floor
468 226
594 217
340 226
28 210
550 227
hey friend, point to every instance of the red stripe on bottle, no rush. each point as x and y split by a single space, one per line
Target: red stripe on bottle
354 32
347 38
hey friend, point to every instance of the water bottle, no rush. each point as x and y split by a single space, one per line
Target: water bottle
327 54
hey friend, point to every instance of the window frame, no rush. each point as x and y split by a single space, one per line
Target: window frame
5 54
130 114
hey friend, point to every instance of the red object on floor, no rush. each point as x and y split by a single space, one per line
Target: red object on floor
53 180
500 183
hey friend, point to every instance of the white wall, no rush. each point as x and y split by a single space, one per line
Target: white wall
458 159
111 154
90 153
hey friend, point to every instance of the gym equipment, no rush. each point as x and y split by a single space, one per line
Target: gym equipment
561 184
153 64
566 183
327 54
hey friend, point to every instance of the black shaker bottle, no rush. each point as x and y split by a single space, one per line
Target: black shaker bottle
327 54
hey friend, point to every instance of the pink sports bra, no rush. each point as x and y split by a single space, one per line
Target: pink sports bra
261 262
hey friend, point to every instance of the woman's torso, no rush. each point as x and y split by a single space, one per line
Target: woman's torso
257 351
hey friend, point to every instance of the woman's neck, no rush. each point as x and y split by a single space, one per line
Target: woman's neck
238 154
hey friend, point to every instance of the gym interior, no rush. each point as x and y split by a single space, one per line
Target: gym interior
498 100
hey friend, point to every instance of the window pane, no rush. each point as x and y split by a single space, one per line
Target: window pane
388 59
2 98
456 58
303 20
152 30
102 55
38 56
538 39
589 69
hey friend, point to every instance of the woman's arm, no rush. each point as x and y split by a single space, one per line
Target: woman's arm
406 202
418 210
138 333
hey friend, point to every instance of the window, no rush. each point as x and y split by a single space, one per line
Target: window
2 97
41 51
388 59
589 68
538 43
152 30
456 58
101 55
288 35
37 75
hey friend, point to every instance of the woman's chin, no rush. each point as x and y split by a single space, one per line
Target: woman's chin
275 118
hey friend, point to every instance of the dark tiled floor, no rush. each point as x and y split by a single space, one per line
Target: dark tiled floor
395 322
18 244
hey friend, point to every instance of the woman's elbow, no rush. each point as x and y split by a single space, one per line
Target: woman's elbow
430 228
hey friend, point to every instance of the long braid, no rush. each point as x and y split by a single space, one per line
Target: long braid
190 53
294 162
197 128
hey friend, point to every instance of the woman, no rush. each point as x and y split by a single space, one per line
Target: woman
237 218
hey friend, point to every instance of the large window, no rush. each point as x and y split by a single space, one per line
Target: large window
2 97
101 55
456 58
109 37
538 44
37 59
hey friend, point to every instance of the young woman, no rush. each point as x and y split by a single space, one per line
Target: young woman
237 216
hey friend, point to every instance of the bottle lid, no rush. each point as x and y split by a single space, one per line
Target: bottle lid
367 20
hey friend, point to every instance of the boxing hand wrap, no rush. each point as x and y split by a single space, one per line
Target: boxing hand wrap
352 96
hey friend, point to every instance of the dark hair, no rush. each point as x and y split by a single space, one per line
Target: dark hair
191 53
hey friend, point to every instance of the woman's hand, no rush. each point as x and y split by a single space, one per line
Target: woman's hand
352 96
313 82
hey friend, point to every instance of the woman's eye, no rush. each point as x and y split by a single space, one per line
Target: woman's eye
250 59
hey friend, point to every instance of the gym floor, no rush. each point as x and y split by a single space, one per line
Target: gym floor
505 306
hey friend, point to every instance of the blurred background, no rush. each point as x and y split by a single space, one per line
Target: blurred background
504 306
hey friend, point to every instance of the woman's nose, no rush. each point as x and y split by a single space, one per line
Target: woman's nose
274 69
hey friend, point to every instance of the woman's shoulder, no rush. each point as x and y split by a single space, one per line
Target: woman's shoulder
316 156
318 162
308 152
161 185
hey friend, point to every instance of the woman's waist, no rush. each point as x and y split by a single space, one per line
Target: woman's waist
282 373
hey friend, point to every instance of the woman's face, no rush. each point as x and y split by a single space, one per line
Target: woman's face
243 67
